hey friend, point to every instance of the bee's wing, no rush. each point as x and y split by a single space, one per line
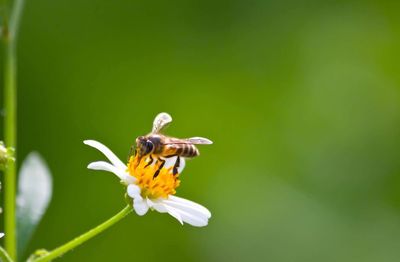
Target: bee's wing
160 122
192 140
199 141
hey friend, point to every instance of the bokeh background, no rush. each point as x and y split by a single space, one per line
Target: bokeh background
302 100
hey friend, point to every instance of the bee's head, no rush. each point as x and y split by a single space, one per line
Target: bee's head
144 146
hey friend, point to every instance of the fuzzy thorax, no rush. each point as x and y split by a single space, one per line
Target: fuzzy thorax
152 186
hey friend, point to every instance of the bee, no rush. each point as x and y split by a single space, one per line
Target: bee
163 147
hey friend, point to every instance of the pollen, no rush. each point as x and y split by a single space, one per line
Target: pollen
153 185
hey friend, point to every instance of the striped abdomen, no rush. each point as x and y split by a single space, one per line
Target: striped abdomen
183 150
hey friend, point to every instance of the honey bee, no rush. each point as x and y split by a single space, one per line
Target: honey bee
163 147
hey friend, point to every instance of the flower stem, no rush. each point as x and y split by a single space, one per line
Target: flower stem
84 237
9 35
10 140
4 257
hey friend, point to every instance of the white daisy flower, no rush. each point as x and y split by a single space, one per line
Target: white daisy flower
149 192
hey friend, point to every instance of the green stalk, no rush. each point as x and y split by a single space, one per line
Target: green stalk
84 237
10 140
10 123
4 257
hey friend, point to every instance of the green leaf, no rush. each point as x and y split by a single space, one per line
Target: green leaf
34 194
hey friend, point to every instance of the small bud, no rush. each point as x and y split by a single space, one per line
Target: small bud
38 254
6 155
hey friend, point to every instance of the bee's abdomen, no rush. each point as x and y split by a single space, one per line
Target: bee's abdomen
188 151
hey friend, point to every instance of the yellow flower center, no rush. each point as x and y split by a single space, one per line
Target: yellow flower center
152 186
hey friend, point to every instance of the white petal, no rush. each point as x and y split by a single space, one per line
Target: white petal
35 188
140 206
134 192
189 207
190 212
190 204
170 162
174 213
129 179
1 235
157 205
101 165
162 208
107 152
149 202
182 164
191 219
183 212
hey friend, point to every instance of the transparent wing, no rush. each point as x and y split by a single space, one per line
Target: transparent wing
199 141
160 122
193 140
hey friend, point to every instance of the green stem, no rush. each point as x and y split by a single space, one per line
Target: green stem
84 237
10 141
4 257
10 30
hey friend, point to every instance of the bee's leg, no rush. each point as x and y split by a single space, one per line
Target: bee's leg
159 168
150 162
177 164
132 152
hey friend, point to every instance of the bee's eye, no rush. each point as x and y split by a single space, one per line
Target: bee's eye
148 147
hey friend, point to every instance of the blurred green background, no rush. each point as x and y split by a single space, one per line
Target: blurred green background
300 97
